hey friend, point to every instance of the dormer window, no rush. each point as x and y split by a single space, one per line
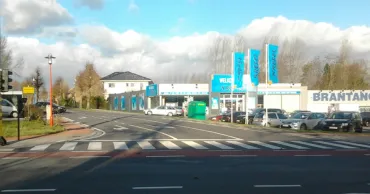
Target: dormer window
111 85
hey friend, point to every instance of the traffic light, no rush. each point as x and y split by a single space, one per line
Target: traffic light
5 80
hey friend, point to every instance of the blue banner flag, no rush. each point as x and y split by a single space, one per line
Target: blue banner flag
254 67
273 75
238 60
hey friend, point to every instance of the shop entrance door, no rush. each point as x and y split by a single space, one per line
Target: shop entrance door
237 102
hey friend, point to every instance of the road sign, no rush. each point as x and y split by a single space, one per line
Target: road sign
28 90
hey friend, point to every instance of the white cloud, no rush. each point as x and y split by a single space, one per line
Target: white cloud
133 6
140 53
92 4
31 16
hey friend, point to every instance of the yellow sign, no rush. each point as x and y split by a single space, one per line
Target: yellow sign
269 82
28 90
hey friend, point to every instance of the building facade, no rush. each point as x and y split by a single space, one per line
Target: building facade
135 101
123 82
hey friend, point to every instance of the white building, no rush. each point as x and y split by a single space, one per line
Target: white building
121 82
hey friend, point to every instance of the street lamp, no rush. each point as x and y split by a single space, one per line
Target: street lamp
34 95
50 61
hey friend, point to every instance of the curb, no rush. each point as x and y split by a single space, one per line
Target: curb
96 134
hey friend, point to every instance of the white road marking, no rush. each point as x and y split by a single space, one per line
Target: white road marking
151 139
40 147
145 145
276 186
354 144
6 149
243 145
219 145
334 144
27 190
312 145
173 156
266 145
170 145
14 158
367 155
154 131
290 145
118 127
161 187
229 136
194 145
82 118
314 155
169 127
101 131
120 146
94 146
69 146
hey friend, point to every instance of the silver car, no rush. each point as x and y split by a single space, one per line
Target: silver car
274 119
304 120
8 109
163 110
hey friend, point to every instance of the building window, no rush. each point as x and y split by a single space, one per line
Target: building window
127 85
141 86
132 84
111 85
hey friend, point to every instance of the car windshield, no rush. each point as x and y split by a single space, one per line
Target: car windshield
341 115
300 115
256 111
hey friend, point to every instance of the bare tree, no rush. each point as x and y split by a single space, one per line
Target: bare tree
60 90
311 73
38 81
43 94
219 55
6 57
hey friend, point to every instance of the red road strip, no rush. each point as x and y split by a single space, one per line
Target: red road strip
137 153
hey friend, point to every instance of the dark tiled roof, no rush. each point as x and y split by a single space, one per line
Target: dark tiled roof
124 76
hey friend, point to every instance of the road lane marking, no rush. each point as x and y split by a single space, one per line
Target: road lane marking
312 145
40 147
290 145
334 144
354 144
96 129
69 146
14 158
6 149
154 131
119 128
367 154
173 156
161 187
195 145
145 145
269 186
27 190
243 145
120 146
318 155
94 146
229 136
219 145
170 145
151 139
266 145
235 138
86 157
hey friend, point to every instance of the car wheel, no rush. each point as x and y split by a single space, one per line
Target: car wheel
149 113
14 114
170 114
367 123
303 127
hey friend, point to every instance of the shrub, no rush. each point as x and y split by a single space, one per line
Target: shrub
33 112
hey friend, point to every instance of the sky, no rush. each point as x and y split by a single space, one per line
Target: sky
155 38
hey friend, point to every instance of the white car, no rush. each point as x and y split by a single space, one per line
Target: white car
8 109
163 110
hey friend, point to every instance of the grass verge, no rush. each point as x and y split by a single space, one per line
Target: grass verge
29 128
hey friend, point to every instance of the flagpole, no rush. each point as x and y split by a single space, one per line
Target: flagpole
232 86
266 91
246 88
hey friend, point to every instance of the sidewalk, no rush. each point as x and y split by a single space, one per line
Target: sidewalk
72 132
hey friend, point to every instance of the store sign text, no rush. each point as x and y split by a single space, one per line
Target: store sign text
349 96
225 80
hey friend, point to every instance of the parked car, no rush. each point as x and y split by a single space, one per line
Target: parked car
256 112
8 109
297 111
304 121
274 119
227 117
343 121
180 109
365 118
163 110
56 108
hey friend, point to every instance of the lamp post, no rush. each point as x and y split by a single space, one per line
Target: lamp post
50 61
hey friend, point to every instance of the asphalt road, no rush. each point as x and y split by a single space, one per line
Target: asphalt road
285 175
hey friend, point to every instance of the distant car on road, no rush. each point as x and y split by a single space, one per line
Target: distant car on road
56 108
163 110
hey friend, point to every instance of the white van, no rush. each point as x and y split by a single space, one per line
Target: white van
8 109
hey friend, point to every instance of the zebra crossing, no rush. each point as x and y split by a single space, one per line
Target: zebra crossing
191 145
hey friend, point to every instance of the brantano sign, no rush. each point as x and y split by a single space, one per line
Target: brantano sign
342 96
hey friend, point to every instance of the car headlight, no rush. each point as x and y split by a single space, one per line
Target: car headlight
295 124
344 124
